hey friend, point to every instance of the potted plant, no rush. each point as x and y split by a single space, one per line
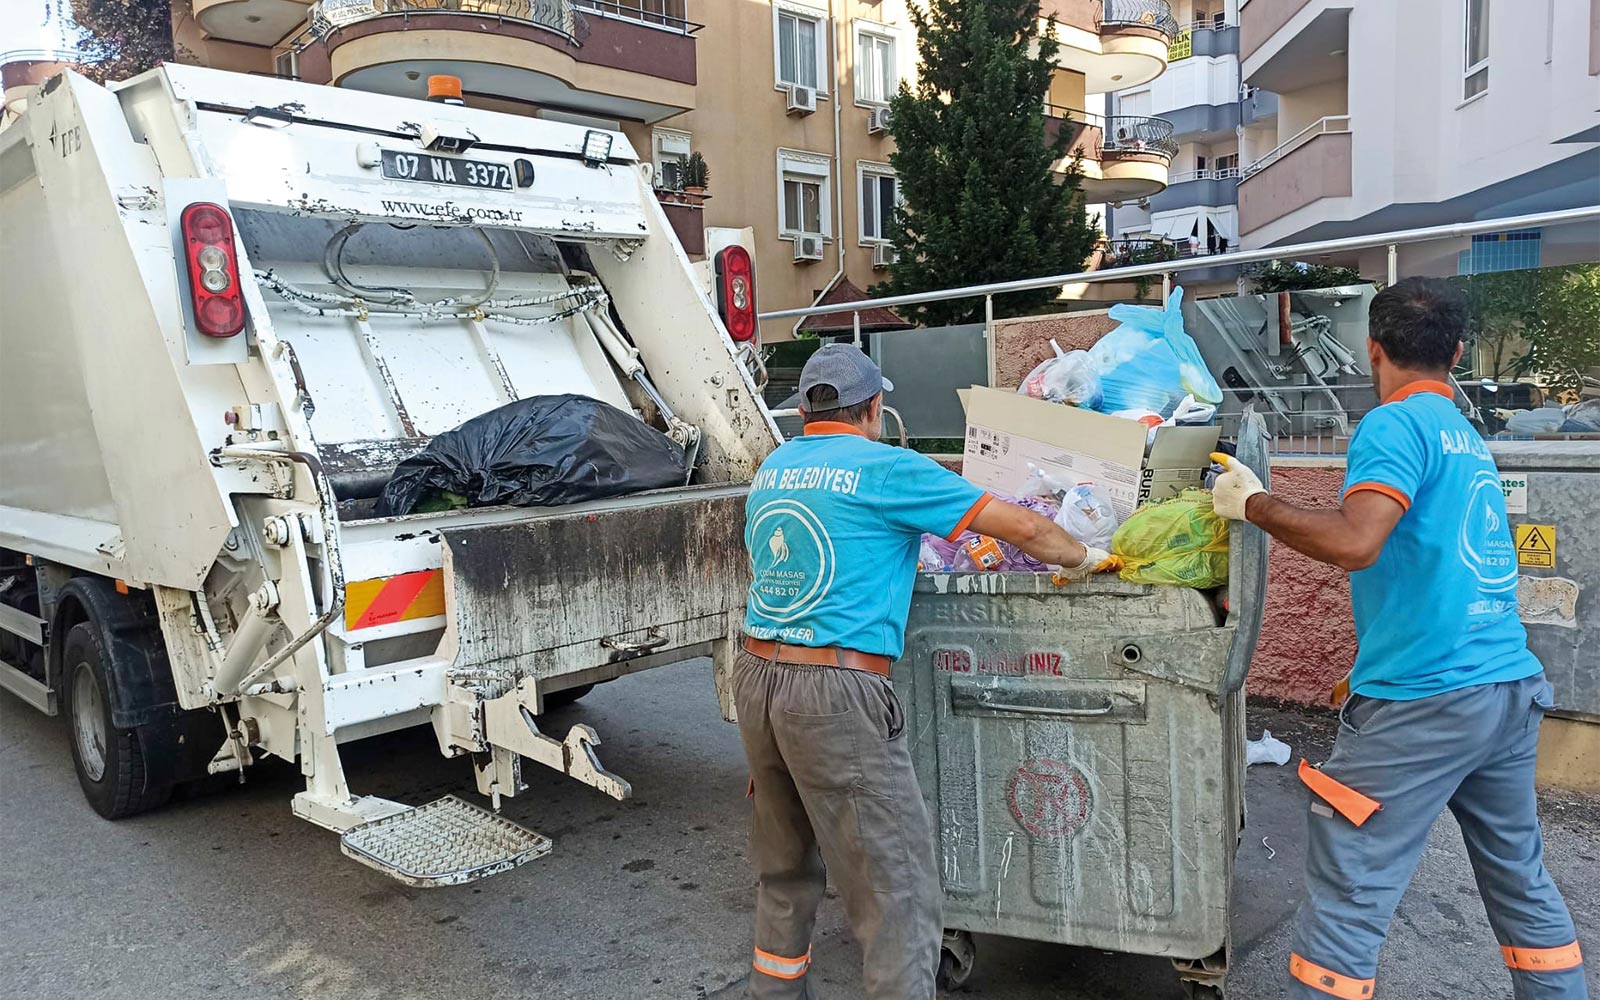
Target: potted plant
696 175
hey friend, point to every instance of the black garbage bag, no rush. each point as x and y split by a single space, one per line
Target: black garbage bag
543 451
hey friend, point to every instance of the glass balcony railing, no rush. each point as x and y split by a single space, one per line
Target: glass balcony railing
563 16
1138 134
1155 14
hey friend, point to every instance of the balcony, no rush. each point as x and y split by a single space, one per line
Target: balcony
1287 45
251 22
1115 44
1125 157
625 60
21 72
1310 167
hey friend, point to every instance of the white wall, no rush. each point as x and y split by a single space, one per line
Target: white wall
1301 108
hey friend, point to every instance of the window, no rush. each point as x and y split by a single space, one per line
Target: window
1227 165
287 63
879 194
670 148
1515 250
800 37
1476 57
877 73
804 189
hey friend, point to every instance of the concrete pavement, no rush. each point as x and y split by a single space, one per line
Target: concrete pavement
230 894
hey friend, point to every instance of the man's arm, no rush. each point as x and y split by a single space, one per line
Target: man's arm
1038 536
1350 537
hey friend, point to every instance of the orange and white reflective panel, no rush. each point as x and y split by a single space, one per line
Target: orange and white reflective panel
394 599
1328 981
779 967
1568 956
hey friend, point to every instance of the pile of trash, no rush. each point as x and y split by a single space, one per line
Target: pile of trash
1578 418
1147 369
1179 542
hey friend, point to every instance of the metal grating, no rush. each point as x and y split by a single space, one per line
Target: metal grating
446 842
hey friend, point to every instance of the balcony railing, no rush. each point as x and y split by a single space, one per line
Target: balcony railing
1138 134
1155 14
1331 125
1209 174
330 15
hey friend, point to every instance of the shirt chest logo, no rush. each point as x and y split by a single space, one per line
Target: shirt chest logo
792 560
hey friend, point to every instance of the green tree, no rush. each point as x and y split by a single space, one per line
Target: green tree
981 201
1541 321
1297 276
121 38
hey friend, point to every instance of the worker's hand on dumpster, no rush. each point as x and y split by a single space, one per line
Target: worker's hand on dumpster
1234 487
1094 561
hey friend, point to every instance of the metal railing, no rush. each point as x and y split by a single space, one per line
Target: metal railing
328 16
10 56
1569 216
1206 174
1138 134
1155 14
667 14
1331 125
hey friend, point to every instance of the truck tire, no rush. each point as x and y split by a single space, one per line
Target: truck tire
115 766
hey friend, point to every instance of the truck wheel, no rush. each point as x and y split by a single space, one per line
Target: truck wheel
563 698
112 764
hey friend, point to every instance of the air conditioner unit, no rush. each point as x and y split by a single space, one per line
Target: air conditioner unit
807 249
884 256
802 100
877 121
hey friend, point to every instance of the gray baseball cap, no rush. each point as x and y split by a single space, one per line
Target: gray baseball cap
847 369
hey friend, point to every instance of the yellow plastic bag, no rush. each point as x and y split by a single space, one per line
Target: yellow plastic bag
1179 542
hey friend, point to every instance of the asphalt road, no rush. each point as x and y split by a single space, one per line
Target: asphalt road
230 894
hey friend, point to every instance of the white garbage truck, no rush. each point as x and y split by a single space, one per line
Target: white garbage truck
230 306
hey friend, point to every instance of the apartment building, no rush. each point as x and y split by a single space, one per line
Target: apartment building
785 100
1395 115
1200 95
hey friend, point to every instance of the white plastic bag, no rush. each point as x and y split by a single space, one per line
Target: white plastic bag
1041 484
1086 515
1267 750
1069 378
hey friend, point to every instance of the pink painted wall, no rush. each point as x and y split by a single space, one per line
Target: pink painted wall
1308 638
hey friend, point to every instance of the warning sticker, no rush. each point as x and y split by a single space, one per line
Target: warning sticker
1049 798
1536 545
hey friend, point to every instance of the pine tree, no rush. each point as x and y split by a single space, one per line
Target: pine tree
981 202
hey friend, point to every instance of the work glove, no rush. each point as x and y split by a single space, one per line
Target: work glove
1234 487
1094 561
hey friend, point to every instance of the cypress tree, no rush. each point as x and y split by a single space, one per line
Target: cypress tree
981 202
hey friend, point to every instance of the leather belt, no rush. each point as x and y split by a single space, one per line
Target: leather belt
821 656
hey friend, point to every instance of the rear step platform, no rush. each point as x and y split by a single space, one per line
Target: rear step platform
446 842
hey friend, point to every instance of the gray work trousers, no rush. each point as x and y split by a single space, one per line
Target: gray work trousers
834 786
1471 751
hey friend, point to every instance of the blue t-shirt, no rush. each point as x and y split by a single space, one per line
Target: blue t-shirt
832 527
1438 610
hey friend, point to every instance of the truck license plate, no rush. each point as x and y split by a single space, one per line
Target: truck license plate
446 170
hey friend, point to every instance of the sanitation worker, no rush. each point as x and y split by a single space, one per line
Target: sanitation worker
833 525
1445 698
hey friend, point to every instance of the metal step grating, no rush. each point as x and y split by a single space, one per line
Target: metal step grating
446 842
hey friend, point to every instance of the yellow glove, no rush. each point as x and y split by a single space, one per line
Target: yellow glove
1234 487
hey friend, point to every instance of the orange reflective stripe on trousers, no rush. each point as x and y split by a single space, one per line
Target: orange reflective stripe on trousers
1568 956
779 967
1328 981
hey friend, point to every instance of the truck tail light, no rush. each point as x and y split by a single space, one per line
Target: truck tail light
736 292
213 270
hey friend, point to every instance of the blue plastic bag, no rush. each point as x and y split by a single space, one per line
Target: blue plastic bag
1148 362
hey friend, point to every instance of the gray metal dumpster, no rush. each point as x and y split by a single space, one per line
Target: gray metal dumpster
1081 750
1553 502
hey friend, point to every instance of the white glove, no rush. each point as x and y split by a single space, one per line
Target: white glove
1234 487
1094 561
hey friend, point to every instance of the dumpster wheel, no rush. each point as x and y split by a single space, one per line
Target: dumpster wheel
958 953
1201 991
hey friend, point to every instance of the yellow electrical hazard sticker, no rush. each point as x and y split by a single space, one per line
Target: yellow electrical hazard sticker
1536 545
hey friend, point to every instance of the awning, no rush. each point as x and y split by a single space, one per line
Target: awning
872 320
1176 226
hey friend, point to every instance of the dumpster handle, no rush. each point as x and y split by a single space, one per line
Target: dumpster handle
1105 709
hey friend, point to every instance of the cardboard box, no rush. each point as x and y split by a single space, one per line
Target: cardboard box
1007 431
